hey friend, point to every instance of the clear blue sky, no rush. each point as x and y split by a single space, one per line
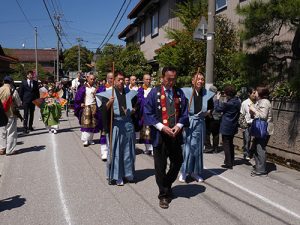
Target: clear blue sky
89 20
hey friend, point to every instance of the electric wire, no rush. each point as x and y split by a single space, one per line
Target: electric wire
100 46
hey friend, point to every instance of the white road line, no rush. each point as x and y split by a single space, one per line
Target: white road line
59 186
274 204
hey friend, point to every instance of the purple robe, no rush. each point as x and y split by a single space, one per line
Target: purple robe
79 99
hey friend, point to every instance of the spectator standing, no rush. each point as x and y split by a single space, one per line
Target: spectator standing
263 111
29 91
251 100
229 122
10 100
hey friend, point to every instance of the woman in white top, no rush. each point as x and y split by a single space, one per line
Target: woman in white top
262 110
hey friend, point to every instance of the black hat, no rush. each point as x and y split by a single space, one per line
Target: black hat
8 79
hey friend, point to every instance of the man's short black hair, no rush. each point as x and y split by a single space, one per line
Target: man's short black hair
166 69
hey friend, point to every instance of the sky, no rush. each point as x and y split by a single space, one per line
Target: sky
89 20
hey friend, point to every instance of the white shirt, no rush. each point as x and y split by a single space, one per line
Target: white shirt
245 109
90 96
75 84
159 126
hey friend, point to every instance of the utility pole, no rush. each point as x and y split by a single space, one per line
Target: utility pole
79 45
36 57
58 29
210 52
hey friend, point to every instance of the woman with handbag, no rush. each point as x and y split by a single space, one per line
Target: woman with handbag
262 128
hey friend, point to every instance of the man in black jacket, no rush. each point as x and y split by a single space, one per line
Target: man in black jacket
29 91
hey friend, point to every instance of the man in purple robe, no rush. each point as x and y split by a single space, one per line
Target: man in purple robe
87 112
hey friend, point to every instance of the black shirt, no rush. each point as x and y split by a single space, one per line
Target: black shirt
198 101
122 101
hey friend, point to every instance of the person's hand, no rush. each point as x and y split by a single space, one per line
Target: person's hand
168 131
82 105
218 96
175 130
252 109
110 102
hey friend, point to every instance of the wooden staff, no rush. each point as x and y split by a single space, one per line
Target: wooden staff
111 126
190 103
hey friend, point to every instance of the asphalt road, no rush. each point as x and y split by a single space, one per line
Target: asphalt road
55 180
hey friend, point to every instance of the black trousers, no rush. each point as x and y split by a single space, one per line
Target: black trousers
169 148
228 149
28 109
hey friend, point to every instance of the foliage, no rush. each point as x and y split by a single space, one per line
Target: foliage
106 56
271 60
187 55
130 60
133 62
22 69
71 59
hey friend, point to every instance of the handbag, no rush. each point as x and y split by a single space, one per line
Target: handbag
242 121
259 128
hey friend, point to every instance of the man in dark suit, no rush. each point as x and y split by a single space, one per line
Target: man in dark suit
29 91
166 113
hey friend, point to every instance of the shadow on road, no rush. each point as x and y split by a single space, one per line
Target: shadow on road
141 175
30 149
11 203
241 161
270 167
208 173
187 191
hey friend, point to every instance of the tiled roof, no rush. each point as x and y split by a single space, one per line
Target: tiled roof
8 59
28 55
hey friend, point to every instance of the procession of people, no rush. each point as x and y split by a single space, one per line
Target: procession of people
170 121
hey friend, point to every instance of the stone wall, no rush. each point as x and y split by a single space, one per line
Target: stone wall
284 145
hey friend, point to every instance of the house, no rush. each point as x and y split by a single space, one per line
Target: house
5 62
46 57
150 19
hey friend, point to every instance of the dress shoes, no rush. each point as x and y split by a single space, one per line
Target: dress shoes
226 166
164 203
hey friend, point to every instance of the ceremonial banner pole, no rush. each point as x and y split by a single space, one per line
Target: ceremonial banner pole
193 92
111 126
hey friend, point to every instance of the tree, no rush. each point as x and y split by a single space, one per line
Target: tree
272 60
71 59
106 56
133 62
187 55
22 69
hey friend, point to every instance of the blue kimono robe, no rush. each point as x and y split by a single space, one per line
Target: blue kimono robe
194 135
123 139
153 113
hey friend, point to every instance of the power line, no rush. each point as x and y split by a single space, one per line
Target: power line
28 21
55 27
100 46
26 18
118 22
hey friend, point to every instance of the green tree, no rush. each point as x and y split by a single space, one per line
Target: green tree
106 56
187 55
20 71
133 62
272 60
71 59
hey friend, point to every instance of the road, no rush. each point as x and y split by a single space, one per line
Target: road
55 180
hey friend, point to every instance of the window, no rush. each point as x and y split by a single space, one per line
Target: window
154 24
221 4
142 32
